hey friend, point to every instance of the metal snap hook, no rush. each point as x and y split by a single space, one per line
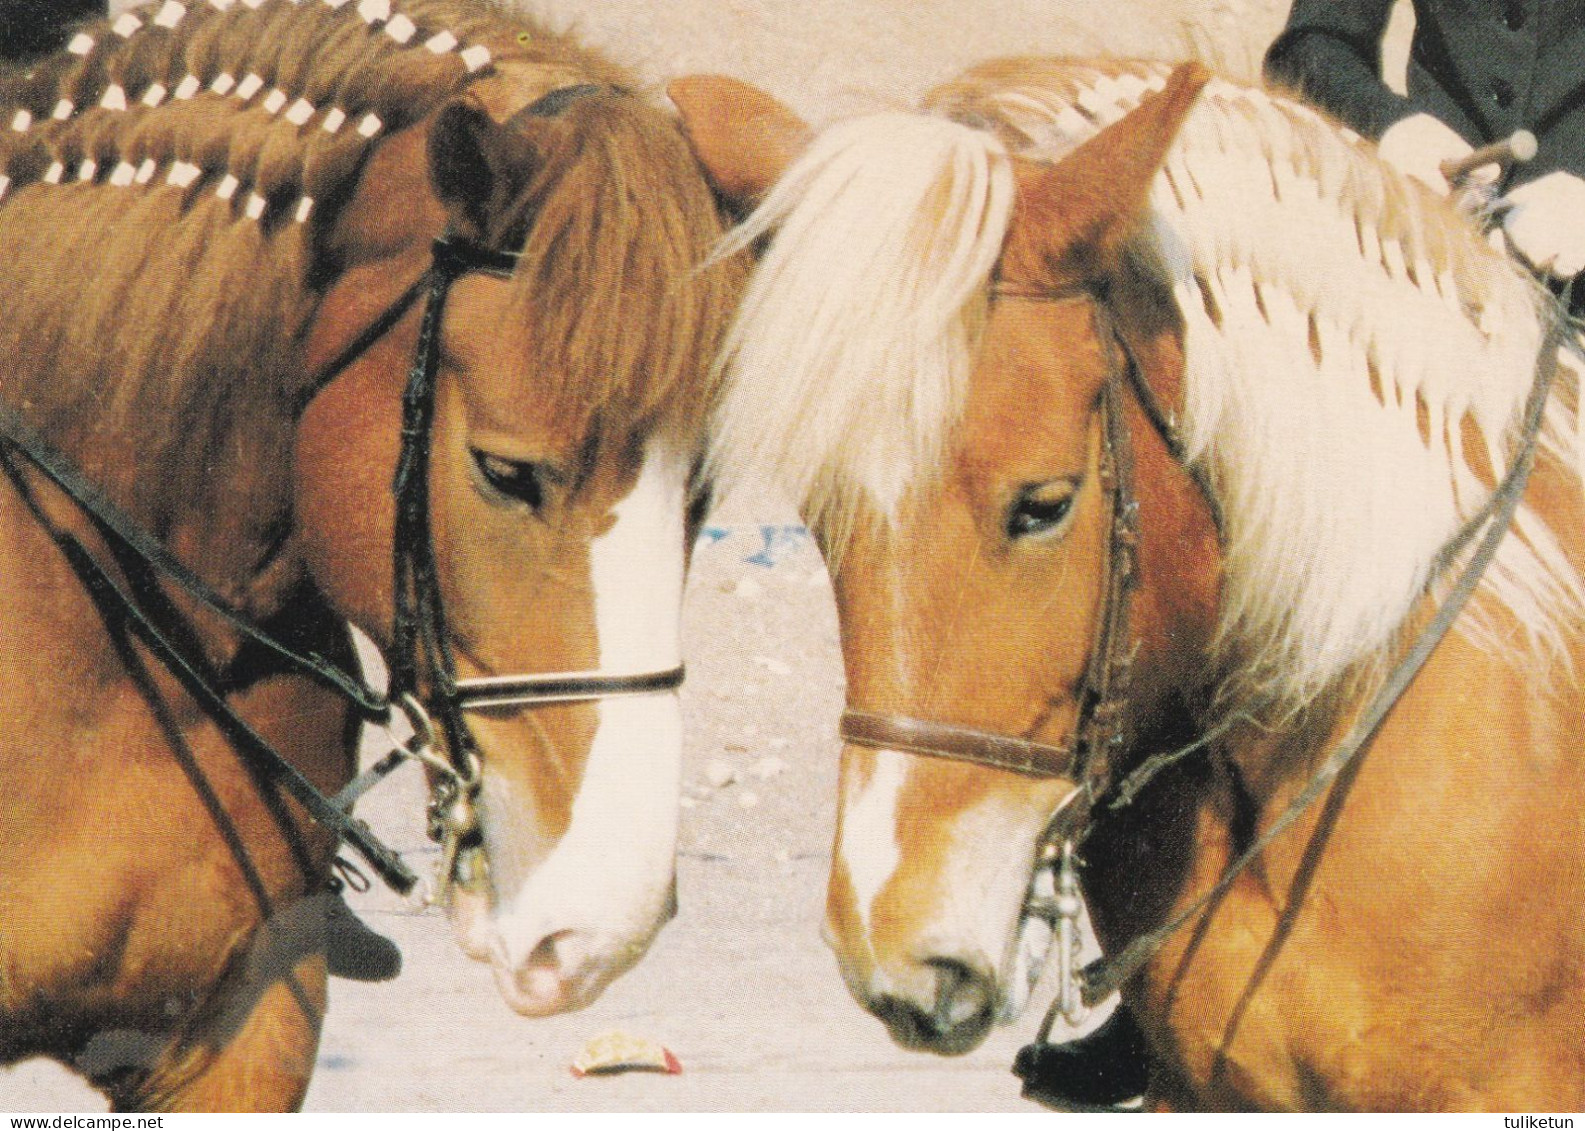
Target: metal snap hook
1068 905
419 719
1055 900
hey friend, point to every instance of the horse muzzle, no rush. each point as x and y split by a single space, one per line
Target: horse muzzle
562 901
567 968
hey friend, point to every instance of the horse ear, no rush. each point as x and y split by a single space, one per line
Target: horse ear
742 136
471 162
1084 209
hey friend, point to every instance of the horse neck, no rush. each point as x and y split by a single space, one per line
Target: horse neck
1482 729
185 430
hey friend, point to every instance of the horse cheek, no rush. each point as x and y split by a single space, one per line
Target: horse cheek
345 456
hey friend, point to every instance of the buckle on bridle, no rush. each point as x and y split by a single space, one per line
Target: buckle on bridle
1054 898
421 747
453 255
452 812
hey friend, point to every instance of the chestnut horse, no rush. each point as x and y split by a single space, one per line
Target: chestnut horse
1145 417
212 221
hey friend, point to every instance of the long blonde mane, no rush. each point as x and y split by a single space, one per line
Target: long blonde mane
1345 333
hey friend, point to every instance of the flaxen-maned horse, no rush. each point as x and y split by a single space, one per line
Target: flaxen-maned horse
226 314
1144 417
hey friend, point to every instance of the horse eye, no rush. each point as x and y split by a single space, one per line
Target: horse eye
512 479
1040 509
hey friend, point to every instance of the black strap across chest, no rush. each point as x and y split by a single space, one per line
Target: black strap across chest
170 642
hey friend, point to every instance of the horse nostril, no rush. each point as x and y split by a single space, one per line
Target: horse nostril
549 979
964 996
558 952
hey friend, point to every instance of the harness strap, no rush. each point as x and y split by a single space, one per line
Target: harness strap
250 743
1129 789
361 345
119 528
1167 428
370 778
1107 974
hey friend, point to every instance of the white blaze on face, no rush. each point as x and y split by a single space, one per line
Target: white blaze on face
985 877
637 568
869 849
605 887
983 852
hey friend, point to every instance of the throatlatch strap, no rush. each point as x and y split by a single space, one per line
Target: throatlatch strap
361 345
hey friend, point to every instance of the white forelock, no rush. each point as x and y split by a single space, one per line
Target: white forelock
856 330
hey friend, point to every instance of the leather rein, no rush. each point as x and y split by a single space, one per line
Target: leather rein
1090 758
423 671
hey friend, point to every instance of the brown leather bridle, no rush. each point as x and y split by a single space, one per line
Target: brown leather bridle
1087 756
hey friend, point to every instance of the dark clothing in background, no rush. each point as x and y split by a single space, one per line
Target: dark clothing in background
1484 67
34 27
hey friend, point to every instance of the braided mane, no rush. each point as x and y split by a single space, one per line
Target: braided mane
285 97
168 184
1346 336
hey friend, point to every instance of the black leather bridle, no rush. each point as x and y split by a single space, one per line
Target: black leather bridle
423 671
